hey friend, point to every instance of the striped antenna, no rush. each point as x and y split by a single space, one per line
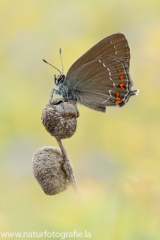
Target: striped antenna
61 59
51 65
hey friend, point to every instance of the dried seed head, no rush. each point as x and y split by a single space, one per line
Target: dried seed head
60 118
47 168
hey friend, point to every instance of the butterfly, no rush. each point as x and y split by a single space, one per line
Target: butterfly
99 78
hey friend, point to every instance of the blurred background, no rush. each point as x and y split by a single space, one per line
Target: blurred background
115 155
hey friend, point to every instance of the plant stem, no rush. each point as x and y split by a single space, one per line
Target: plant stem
67 166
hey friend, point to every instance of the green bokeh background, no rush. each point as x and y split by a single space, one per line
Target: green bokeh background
115 155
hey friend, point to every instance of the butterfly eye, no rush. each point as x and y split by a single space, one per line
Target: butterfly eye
59 79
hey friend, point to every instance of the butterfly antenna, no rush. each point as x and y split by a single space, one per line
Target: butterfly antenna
61 58
51 65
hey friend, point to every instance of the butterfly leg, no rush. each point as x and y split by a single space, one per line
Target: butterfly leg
53 91
77 110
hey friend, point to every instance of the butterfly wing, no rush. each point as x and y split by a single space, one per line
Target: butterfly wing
105 81
114 45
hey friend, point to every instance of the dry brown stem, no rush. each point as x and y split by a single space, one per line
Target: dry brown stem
67 166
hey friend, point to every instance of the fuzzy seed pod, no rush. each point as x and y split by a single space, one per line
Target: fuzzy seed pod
60 118
47 168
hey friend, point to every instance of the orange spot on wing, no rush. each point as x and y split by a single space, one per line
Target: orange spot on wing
119 70
117 95
121 77
118 102
122 85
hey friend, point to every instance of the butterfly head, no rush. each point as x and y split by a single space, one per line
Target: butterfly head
59 79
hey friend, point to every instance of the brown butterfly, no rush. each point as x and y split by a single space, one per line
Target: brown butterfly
100 77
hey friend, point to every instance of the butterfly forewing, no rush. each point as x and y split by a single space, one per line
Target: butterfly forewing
105 81
114 45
